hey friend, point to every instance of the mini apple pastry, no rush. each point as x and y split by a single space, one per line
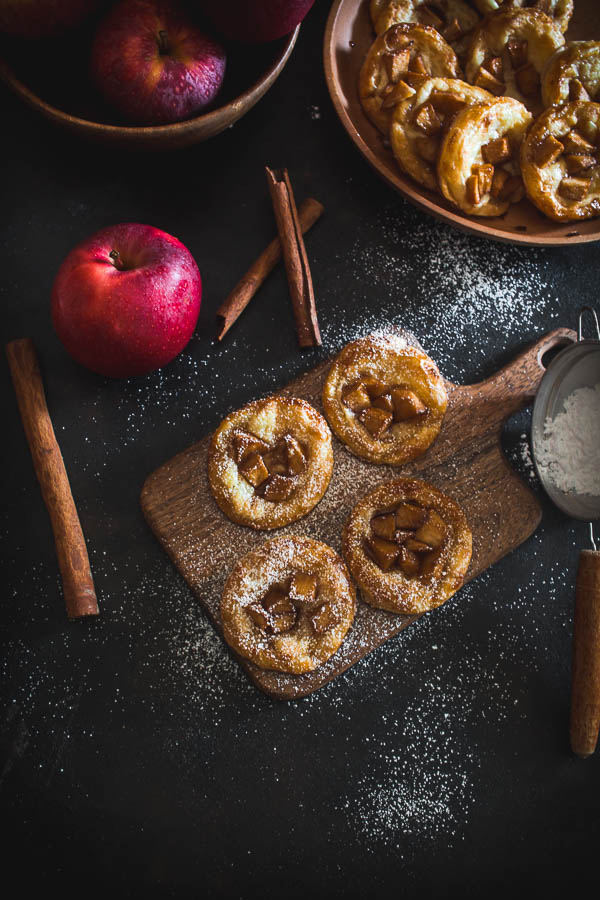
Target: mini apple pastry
385 399
270 462
454 19
478 166
396 62
560 11
418 124
288 605
572 73
408 546
559 161
509 51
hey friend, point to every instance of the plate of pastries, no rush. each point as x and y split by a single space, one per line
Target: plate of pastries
485 113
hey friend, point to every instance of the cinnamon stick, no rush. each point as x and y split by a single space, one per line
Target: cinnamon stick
239 298
585 668
78 586
294 257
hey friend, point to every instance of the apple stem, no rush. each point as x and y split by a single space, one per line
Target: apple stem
116 258
163 43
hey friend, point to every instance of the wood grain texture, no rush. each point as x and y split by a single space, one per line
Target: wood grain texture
466 462
585 669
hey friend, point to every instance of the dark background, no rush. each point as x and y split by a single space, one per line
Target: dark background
137 758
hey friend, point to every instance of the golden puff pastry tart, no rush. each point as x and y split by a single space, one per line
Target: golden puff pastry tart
385 399
509 51
572 73
418 124
288 605
397 60
408 546
560 11
478 166
559 161
270 462
454 19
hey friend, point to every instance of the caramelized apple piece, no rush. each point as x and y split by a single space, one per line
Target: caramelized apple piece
528 80
244 443
472 190
452 31
259 615
496 67
577 90
574 142
277 488
406 404
445 103
512 189
547 151
488 82
398 93
397 64
485 175
415 79
383 552
275 601
429 562
517 51
574 188
577 163
295 457
410 516
427 120
323 619
417 546
355 396
427 16
417 65
409 562
374 386
432 531
283 622
384 402
384 526
303 589
275 461
253 469
496 151
402 535
376 421
500 178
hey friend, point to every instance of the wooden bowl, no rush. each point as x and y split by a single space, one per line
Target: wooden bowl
45 80
348 36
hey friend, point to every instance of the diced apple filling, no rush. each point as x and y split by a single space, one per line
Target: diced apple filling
272 471
409 539
283 606
379 406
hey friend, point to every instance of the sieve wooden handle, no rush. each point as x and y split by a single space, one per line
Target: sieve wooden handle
585 669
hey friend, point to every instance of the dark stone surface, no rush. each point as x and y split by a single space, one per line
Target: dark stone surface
137 758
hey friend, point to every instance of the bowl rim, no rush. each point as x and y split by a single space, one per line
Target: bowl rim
409 189
186 125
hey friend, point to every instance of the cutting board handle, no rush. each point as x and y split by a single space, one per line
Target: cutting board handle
515 385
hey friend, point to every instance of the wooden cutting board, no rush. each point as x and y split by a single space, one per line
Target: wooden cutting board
465 462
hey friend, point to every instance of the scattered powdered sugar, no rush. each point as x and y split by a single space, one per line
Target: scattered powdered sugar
569 455
462 290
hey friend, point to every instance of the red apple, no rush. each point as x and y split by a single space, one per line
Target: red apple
126 300
154 65
40 18
254 21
